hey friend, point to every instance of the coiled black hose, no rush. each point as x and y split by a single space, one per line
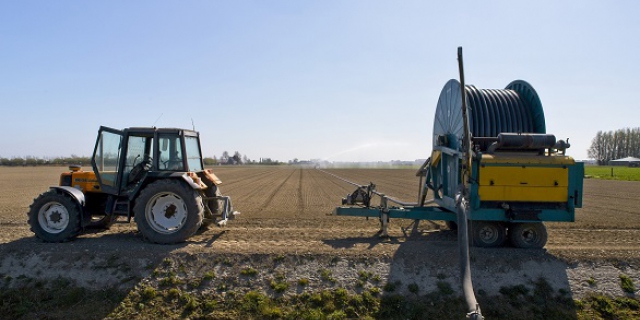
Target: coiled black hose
515 109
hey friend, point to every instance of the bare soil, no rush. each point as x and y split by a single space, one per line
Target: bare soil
286 228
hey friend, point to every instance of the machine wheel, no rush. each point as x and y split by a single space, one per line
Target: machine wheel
528 235
54 217
487 234
168 211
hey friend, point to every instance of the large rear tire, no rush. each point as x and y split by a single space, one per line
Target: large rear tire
488 234
528 235
54 217
168 211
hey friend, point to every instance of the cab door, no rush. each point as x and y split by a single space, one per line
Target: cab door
106 159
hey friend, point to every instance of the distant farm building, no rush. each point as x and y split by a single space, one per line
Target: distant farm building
628 161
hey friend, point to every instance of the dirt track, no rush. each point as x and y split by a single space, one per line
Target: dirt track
286 210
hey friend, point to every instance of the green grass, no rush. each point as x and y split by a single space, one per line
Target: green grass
619 173
249 271
627 284
325 275
278 286
209 275
538 300
303 282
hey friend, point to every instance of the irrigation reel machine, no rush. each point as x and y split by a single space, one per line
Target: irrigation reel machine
494 172
491 156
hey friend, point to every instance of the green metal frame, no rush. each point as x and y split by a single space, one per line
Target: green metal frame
443 180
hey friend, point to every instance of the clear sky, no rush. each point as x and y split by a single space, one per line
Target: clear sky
337 80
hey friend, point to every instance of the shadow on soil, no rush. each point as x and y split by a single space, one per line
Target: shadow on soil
507 281
421 277
83 279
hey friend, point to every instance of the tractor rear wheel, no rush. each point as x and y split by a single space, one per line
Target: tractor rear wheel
487 234
168 211
528 235
54 217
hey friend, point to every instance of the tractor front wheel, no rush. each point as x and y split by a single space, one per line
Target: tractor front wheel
54 217
168 211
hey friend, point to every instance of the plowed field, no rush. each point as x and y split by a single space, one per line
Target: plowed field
286 217
288 208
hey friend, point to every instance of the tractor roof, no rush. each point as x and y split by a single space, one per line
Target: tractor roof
150 130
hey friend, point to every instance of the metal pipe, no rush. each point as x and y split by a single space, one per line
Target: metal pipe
465 117
461 203
400 202
340 178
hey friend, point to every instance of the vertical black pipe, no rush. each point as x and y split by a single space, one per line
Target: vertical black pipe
461 200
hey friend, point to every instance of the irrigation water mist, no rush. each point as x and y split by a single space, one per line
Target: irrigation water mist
372 151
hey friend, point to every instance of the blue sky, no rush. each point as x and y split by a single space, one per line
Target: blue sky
336 80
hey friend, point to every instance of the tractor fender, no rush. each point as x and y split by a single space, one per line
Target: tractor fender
193 180
208 174
76 194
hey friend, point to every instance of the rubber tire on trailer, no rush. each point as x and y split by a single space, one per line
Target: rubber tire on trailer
186 211
51 206
487 234
528 235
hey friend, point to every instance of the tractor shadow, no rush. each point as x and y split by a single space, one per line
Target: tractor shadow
506 280
87 278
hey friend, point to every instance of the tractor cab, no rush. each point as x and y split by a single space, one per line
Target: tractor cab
124 159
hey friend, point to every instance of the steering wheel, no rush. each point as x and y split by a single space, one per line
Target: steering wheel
169 163
138 170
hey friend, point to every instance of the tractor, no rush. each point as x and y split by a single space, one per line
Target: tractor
154 175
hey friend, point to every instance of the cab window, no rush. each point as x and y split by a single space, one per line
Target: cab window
170 153
194 160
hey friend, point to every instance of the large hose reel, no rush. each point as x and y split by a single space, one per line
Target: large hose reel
515 109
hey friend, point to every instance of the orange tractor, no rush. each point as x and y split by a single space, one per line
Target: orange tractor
154 175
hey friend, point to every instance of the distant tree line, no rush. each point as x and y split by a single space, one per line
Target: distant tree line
225 159
612 145
237 159
33 161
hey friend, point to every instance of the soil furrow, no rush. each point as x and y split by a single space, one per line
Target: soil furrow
276 190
